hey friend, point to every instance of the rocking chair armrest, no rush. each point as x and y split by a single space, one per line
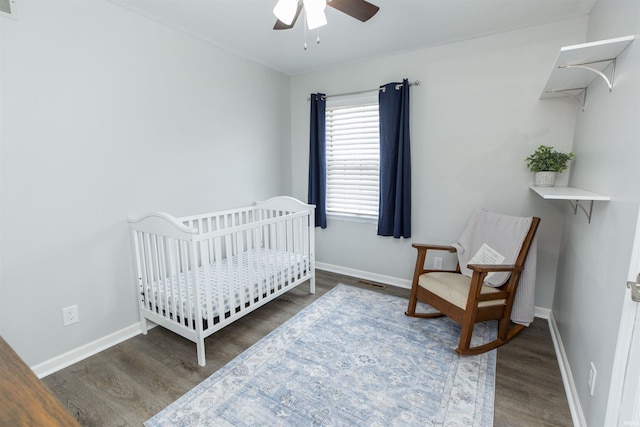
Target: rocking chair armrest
422 256
423 246
488 268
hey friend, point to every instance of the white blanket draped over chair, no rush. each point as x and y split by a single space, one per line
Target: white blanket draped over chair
505 234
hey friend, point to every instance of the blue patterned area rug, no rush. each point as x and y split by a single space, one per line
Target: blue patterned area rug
351 358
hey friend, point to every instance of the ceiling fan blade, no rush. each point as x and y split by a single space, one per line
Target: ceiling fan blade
282 26
359 9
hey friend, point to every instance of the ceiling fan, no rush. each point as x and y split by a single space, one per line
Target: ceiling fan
287 11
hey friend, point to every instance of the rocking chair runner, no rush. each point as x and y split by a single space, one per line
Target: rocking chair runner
467 299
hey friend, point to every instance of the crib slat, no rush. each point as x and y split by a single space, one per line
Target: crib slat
243 287
269 260
260 253
179 283
289 251
231 276
280 254
187 279
194 285
258 246
155 272
146 283
210 241
291 243
164 279
171 278
155 262
219 279
139 281
208 303
297 235
297 247
183 311
150 289
248 277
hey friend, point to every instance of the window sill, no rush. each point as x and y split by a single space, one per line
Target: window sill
352 218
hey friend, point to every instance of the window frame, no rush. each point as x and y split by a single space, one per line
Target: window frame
355 101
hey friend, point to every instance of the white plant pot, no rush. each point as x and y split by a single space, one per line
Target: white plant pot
545 179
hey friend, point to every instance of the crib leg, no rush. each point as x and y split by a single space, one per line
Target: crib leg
312 285
201 357
144 325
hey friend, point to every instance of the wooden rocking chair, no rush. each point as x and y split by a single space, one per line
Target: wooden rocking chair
467 299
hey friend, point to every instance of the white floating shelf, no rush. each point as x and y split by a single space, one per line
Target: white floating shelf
573 195
579 65
568 193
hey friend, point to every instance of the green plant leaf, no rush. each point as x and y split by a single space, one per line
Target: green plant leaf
546 158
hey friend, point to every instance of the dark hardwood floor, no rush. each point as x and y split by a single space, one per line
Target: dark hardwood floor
132 381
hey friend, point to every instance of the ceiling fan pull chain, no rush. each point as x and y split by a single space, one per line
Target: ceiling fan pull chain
318 39
305 31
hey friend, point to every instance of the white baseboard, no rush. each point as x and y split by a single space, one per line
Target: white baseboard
380 278
567 377
543 313
69 358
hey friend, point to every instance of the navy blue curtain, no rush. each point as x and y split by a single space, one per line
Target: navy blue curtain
394 213
318 159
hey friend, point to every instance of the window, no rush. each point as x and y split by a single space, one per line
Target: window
353 157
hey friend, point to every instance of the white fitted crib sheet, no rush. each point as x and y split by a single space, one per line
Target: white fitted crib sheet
265 271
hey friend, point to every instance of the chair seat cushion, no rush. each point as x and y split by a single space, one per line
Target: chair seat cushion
454 288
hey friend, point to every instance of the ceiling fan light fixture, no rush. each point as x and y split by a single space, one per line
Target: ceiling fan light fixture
314 12
285 10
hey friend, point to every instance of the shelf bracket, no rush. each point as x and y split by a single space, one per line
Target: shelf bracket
580 99
607 79
576 204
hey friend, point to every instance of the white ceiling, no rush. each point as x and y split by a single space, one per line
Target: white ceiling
245 26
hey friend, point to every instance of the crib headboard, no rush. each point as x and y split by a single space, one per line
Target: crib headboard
284 203
163 224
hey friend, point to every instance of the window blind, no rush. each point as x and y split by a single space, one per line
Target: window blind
353 159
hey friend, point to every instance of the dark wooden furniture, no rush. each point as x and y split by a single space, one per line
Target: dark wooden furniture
475 301
25 400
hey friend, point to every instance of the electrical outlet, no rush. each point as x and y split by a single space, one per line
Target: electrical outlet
70 315
437 263
592 379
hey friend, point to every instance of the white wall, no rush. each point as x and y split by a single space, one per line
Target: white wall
474 118
595 257
105 115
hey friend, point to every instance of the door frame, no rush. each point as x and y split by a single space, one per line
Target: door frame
629 323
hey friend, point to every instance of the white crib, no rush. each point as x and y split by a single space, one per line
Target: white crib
197 274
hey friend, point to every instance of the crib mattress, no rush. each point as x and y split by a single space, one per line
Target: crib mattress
260 276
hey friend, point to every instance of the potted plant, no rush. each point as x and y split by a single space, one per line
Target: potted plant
546 162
